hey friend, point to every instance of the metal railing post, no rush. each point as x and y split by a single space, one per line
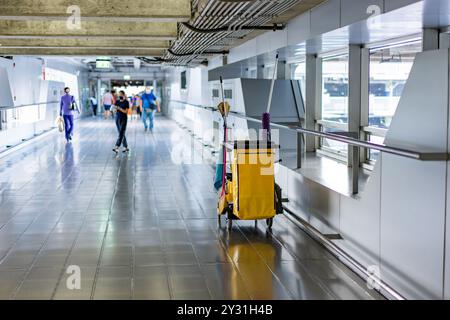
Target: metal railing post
355 169
299 149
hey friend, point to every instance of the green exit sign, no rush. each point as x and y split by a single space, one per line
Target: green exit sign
103 63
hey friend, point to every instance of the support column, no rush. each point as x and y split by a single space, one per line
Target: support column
224 60
354 109
259 69
99 92
281 70
444 41
365 70
288 70
430 39
313 98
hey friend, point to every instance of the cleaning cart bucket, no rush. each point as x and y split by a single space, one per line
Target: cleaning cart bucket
253 180
219 171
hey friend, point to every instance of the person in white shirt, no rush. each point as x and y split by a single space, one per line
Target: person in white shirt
108 101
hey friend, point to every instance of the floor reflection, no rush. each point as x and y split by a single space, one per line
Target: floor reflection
68 163
143 227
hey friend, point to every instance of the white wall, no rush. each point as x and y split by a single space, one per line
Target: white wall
26 85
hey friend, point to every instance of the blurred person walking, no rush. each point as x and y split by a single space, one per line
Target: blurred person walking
148 105
108 101
122 106
93 101
67 106
137 104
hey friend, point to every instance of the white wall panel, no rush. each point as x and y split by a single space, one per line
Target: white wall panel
390 5
413 192
360 221
353 11
326 17
412 226
299 29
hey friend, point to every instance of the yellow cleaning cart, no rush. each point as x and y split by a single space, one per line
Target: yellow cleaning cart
250 191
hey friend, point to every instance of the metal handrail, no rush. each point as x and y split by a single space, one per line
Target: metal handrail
423 156
26 105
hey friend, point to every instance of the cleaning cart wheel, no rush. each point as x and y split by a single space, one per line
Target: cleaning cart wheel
269 223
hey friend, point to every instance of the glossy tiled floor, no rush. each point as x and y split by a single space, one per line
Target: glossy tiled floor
142 226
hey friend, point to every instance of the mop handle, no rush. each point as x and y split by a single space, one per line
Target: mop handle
221 91
272 84
224 150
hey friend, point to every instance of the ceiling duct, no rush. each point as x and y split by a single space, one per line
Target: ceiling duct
218 25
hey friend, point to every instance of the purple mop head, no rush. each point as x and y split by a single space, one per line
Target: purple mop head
266 124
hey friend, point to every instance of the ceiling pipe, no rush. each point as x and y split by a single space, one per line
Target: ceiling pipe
223 22
154 60
197 53
274 27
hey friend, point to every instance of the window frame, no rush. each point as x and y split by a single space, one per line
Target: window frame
322 124
366 130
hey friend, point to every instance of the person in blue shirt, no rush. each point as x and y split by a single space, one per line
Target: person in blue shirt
148 104
66 108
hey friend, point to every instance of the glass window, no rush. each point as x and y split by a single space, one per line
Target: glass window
332 145
374 154
389 71
268 72
299 73
335 89
183 80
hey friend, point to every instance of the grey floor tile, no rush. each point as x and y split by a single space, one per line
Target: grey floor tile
151 259
180 258
50 260
84 260
152 295
113 288
186 283
116 259
36 290
224 282
141 226
192 295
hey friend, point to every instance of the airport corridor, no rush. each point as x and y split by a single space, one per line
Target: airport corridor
140 226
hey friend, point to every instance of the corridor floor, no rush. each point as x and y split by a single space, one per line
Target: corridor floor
143 226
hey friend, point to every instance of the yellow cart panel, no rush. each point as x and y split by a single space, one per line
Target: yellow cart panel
253 181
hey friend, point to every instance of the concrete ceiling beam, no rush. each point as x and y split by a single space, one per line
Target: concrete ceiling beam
99 10
108 29
80 43
126 51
